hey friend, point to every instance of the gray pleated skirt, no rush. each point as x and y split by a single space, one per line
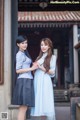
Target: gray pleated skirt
23 92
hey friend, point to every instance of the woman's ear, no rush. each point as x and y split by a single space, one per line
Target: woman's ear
18 44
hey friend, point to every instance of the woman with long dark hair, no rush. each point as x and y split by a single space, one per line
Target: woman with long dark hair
24 91
44 97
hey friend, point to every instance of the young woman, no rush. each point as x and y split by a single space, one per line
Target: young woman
44 98
24 91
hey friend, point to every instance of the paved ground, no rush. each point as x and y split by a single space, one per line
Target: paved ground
62 113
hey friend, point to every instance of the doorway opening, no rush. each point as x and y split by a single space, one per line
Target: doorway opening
60 39
60 34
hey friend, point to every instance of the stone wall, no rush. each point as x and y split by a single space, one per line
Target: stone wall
5 89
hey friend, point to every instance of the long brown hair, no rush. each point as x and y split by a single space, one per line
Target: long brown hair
46 63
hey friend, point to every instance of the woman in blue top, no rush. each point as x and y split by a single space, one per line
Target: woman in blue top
24 91
44 98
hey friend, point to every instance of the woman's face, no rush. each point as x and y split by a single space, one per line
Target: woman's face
23 45
44 47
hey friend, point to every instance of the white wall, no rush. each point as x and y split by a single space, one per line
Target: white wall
5 90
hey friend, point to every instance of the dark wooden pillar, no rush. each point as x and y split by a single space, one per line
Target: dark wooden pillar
59 68
62 60
79 62
1 41
14 28
71 68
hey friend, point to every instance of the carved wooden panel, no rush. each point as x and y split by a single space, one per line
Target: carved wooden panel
1 41
74 101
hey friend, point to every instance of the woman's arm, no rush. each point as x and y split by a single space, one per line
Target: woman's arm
43 69
26 70
20 58
52 66
40 67
51 72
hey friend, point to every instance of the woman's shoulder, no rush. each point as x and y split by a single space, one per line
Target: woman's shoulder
20 54
53 60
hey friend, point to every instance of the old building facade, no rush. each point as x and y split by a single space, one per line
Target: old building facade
62 26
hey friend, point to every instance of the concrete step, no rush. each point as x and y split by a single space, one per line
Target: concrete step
62 111
59 95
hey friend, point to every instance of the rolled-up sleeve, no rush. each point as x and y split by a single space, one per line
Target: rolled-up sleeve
19 61
53 65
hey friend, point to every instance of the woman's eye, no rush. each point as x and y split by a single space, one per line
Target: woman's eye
26 42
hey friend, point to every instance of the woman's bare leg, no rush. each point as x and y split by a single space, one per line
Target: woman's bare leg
22 112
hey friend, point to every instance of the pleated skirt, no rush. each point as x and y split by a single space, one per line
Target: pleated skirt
23 93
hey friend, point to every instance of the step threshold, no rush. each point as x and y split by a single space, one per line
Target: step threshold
62 104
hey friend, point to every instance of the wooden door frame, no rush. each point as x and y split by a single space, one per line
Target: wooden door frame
1 41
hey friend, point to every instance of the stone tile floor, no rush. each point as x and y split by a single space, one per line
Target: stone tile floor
62 113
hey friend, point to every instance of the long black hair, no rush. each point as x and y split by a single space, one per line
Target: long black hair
19 40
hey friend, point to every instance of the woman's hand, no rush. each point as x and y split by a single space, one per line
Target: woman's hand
41 67
35 63
35 66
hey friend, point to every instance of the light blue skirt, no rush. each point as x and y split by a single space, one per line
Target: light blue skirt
44 96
